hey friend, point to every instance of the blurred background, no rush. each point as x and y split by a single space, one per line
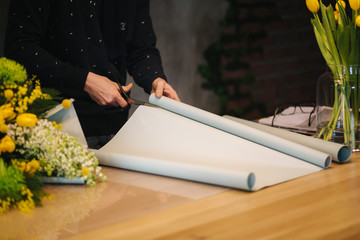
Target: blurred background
237 57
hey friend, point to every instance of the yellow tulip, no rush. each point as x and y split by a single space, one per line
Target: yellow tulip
354 4
3 128
6 111
7 144
8 93
357 21
26 120
66 103
313 5
343 4
336 15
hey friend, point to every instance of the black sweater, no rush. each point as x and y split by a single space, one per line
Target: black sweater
61 41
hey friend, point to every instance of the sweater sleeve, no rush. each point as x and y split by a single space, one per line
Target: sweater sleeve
144 61
27 29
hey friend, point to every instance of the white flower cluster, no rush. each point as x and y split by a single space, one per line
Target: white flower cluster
58 153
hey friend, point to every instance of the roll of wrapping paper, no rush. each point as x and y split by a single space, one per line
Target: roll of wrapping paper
244 131
338 152
167 141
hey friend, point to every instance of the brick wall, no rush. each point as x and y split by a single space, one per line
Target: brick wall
287 70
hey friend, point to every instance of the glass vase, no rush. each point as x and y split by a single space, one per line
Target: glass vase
337 105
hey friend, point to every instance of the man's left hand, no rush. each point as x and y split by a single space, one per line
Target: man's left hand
161 88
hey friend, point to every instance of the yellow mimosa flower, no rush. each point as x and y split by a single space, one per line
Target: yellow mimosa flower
26 120
66 103
313 5
357 21
354 4
8 93
343 4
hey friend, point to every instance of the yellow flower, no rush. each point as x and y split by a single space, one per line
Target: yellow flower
85 171
357 21
3 128
33 166
26 120
343 4
7 144
313 5
66 103
336 15
7 111
354 4
8 93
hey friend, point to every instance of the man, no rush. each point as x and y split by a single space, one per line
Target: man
84 48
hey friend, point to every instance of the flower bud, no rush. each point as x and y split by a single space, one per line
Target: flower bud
26 120
354 4
313 5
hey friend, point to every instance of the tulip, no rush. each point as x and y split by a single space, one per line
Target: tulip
7 111
343 4
336 15
354 4
357 21
7 144
26 120
3 128
66 103
313 5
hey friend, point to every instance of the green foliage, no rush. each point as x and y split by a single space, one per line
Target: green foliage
11 181
11 72
227 55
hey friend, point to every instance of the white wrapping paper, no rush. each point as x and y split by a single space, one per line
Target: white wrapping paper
158 141
178 140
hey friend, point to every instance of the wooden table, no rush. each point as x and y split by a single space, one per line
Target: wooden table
323 205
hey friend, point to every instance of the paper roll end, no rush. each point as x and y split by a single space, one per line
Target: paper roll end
344 154
251 180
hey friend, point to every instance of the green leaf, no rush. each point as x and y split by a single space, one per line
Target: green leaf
329 35
322 45
354 56
344 43
331 17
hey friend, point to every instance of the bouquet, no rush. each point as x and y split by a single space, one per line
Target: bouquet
32 147
337 32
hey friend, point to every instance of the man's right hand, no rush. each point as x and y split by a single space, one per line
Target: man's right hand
104 91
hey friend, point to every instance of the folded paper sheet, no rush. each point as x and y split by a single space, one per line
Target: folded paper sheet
169 142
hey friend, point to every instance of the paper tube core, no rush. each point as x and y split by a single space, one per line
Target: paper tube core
344 154
251 180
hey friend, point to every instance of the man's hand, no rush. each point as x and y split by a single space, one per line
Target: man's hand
104 91
160 87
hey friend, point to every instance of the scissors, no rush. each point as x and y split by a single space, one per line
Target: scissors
131 100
